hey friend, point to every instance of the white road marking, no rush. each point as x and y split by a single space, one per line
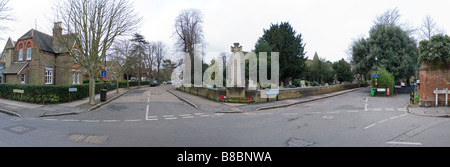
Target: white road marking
146 113
328 117
399 109
313 112
50 119
110 120
389 109
165 116
170 118
334 112
198 113
70 120
365 108
404 143
152 119
352 111
377 109
392 118
133 120
204 115
91 121
187 117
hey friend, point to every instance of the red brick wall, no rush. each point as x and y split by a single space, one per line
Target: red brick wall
433 76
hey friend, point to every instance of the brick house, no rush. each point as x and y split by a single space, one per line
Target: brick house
36 58
433 76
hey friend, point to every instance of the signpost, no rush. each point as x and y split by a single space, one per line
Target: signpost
72 90
19 91
445 91
103 73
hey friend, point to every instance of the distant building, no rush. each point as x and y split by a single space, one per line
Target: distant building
37 58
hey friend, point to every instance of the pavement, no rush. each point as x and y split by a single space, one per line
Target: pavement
429 112
207 105
31 110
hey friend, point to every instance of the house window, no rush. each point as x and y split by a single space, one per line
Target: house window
21 55
22 78
29 54
78 78
48 75
74 81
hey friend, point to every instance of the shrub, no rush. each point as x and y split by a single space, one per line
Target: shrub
46 94
385 80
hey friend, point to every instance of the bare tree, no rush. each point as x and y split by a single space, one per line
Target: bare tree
389 17
122 49
5 14
189 33
429 28
149 58
92 27
161 51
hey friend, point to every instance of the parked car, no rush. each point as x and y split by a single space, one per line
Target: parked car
169 82
154 83
403 84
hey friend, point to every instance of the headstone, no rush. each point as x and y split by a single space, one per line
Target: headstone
302 83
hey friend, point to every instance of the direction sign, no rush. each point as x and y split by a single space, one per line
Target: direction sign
273 92
103 73
376 75
73 89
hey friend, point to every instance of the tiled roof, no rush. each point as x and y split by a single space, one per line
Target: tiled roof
45 42
15 68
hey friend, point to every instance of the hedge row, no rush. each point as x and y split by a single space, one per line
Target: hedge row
45 94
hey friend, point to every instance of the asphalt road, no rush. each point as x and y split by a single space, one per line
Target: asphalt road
152 117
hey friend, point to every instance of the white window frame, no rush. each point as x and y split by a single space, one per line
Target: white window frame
22 78
21 55
48 77
78 77
29 54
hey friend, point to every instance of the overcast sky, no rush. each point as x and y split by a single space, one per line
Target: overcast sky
328 27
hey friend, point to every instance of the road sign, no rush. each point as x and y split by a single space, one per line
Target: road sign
73 89
18 91
381 89
376 75
103 73
273 92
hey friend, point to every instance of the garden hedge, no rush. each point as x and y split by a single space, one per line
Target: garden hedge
45 94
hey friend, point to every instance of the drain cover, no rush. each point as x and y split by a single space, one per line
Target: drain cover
92 139
294 142
19 129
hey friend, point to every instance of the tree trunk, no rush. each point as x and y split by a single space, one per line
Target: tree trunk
91 89
117 84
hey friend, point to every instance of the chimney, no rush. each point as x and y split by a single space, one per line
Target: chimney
57 29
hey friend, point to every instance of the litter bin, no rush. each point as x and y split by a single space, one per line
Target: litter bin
372 92
103 93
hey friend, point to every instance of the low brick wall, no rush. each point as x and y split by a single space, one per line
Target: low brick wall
291 93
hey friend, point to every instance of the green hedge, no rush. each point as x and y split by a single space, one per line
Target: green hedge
45 94
385 80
